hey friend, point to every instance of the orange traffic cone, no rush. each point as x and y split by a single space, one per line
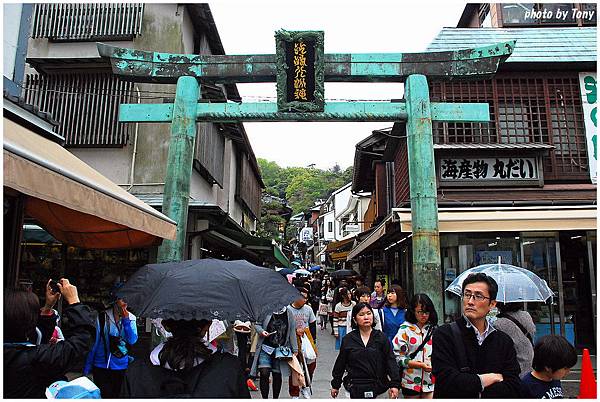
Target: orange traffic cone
587 386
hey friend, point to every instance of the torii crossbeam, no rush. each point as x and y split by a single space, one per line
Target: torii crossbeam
417 110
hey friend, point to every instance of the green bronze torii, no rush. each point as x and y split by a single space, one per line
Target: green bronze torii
416 110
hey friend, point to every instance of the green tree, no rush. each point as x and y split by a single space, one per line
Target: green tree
299 186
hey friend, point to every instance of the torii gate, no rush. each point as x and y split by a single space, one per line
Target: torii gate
417 110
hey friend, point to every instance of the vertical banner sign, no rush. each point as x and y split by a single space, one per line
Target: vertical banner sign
589 98
300 71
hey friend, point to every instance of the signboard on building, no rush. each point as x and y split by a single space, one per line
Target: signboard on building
351 228
300 71
589 98
306 236
501 171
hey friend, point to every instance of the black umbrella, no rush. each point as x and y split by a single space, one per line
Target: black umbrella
343 273
207 288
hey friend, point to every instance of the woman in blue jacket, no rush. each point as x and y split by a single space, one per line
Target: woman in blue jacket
393 311
109 357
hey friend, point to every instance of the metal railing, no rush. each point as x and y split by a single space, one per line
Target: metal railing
85 21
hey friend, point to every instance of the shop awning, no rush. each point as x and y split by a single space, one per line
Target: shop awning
264 248
336 245
72 201
376 234
507 219
338 250
340 256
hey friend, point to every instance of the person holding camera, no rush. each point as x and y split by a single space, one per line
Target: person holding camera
116 331
30 364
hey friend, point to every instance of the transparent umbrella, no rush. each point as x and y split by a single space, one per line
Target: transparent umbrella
515 284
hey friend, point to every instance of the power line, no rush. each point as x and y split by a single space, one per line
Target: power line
71 90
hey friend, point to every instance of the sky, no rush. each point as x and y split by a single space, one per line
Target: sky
375 26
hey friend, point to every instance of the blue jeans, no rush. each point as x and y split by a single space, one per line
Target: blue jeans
338 340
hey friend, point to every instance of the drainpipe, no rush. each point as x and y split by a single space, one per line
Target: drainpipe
135 138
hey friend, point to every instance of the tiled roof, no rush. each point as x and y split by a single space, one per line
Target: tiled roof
534 45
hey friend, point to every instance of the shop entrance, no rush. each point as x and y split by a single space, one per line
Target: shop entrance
577 287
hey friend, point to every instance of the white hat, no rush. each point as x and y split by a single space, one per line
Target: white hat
241 326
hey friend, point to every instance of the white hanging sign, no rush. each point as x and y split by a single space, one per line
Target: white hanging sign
589 98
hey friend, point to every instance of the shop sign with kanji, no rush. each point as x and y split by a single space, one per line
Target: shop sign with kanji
300 71
501 171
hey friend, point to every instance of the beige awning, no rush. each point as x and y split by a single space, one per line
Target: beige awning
377 233
74 202
336 245
507 219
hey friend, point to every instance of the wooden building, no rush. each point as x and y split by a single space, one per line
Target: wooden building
521 187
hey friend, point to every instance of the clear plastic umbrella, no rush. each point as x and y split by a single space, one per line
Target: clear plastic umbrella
515 284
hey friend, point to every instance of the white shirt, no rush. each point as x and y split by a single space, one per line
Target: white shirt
481 336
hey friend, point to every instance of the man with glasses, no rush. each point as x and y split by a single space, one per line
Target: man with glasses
470 358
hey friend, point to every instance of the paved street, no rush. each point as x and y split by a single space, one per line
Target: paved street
322 378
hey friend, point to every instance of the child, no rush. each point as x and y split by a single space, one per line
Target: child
553 357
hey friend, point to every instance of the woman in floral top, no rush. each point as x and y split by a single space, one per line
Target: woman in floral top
415 334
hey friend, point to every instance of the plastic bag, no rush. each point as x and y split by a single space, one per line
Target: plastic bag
307 349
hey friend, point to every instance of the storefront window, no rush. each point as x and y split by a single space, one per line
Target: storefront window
463 251
539 255
94 272
487 249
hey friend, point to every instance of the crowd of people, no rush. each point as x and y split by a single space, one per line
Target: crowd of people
389 345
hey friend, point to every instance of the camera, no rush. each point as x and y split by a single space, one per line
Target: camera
54 286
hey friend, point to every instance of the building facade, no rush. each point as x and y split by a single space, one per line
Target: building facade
521 188
69 79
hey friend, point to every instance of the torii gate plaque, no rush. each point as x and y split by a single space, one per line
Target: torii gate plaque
417 110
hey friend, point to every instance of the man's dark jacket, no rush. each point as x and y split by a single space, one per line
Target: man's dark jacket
375 361
220 376
29 369
495 355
